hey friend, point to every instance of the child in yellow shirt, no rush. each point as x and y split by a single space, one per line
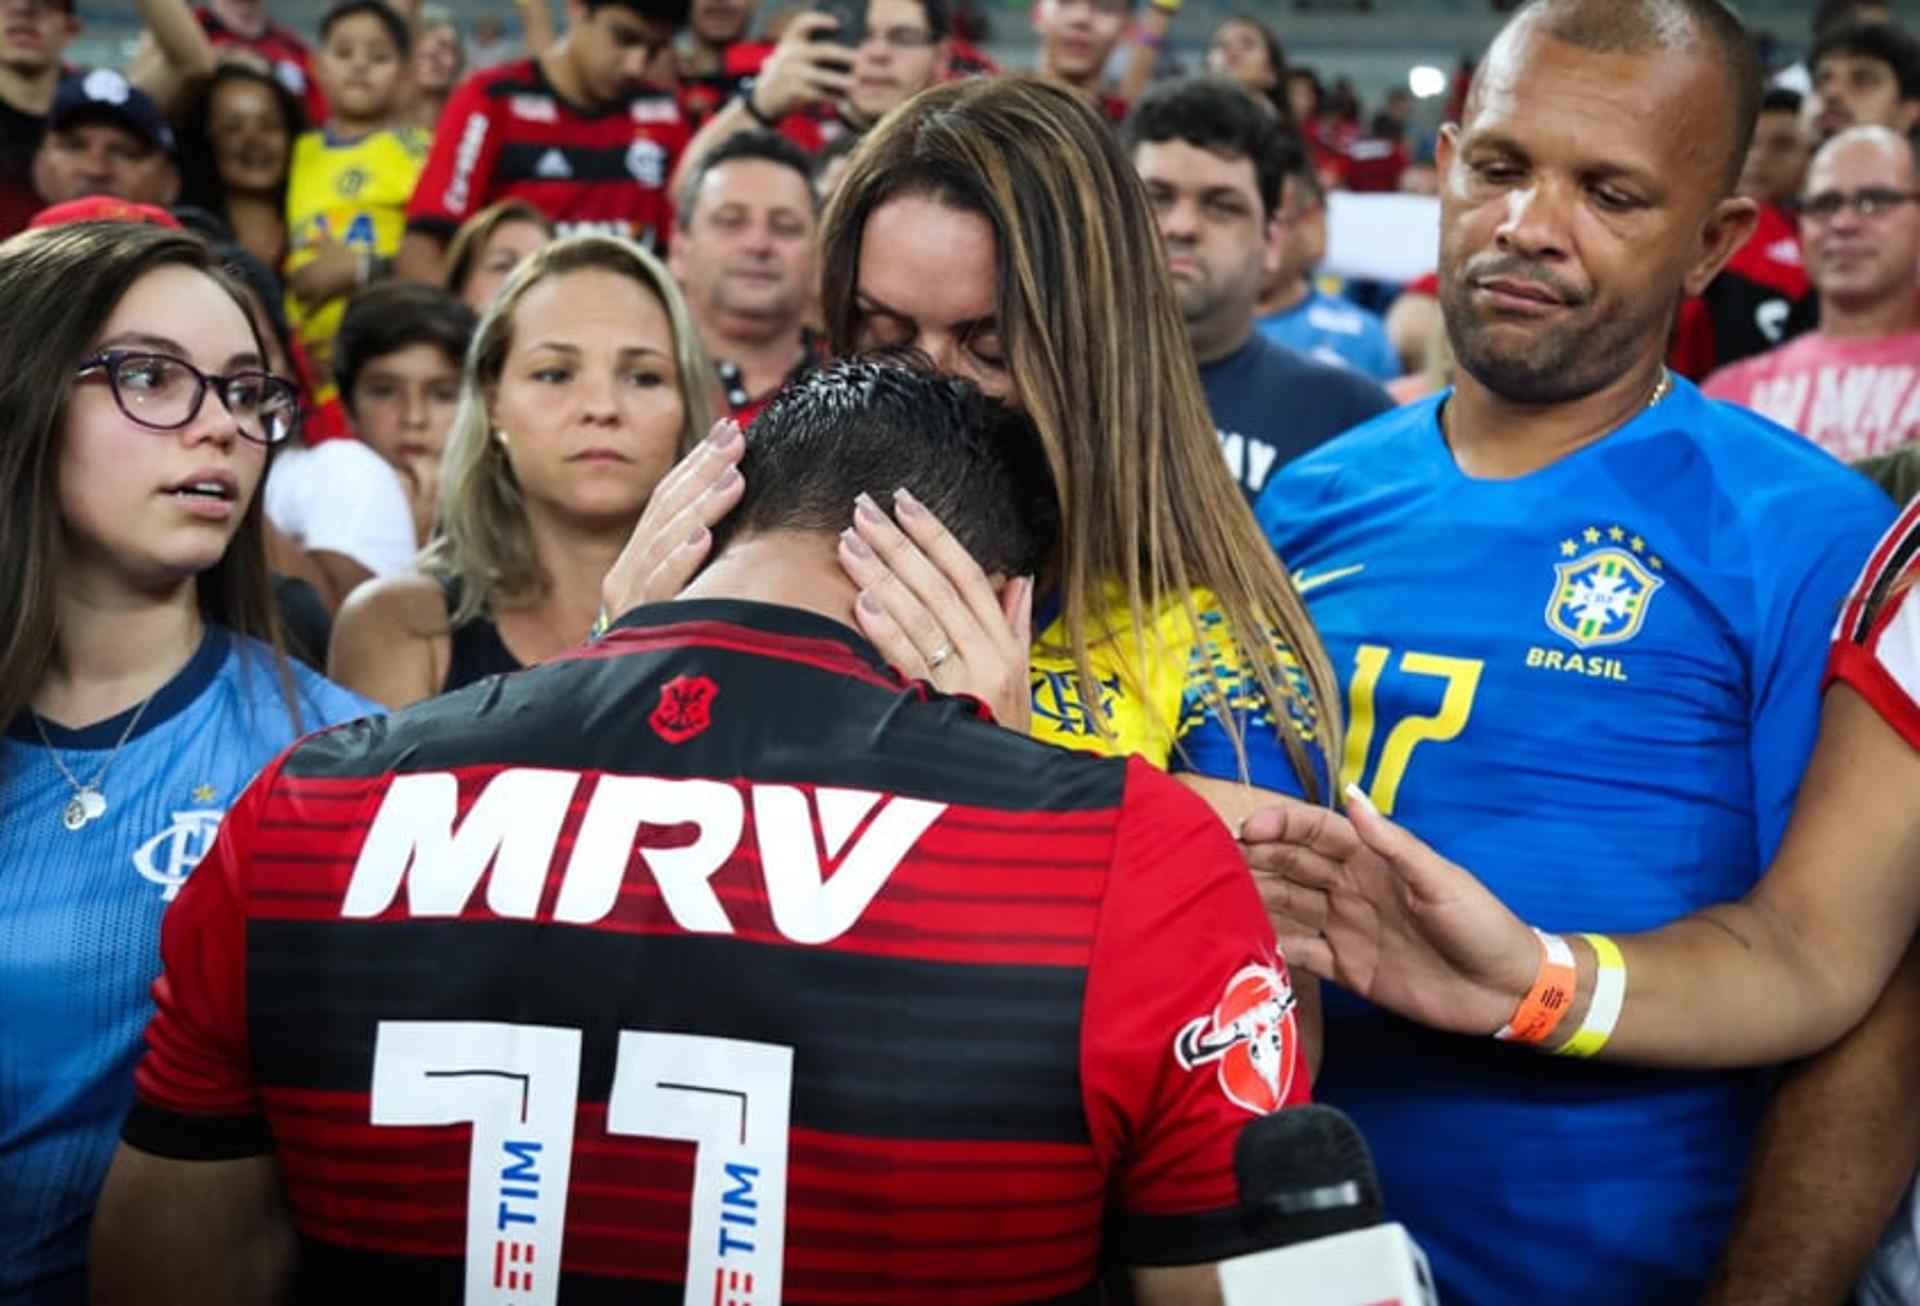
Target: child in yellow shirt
349 183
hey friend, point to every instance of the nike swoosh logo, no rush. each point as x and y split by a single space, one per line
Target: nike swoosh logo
1303 582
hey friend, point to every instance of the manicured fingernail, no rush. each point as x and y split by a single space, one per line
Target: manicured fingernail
726 479
725 434
858 546
699 535
865 508
906 503
1358 796
869 603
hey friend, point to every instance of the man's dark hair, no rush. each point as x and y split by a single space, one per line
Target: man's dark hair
766 146
881 422
671 12
1781 99
1224 118
1832 13
389 18
1629 27
939 18
1882 42
389 316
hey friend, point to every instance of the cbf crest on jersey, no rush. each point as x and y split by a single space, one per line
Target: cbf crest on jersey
1602 593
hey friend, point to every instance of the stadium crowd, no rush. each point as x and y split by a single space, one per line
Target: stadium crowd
737 655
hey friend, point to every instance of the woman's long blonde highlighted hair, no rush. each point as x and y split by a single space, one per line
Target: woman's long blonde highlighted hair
1100 359
480 537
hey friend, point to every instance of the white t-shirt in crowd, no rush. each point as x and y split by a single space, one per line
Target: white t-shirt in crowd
339 496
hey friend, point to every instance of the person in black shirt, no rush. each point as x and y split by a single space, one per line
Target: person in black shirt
1214 159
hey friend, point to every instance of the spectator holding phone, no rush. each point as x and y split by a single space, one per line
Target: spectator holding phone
838 69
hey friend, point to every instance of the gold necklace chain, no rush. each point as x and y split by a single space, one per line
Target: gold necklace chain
1662 387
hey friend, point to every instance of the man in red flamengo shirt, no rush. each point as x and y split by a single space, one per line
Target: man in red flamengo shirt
715 955
244 24
576 131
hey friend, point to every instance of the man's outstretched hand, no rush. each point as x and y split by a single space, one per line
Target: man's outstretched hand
1357 900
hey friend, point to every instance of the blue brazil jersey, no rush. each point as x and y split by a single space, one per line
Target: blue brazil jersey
1596 686
80 925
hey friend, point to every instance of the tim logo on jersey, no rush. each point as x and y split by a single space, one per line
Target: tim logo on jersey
1251 1037
1601 596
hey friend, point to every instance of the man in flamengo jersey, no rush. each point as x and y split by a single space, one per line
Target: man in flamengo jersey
1580 613
717 956
577 131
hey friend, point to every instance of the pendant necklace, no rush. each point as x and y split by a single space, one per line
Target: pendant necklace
88 802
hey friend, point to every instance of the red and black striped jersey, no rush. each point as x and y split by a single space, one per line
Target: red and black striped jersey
715 963
1876 646
508 134
285 54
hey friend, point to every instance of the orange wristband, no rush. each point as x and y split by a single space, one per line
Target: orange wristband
1540 1012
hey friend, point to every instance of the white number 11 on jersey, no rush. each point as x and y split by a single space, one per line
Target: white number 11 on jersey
518 1085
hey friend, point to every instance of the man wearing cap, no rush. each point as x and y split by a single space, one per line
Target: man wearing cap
34 36
105 137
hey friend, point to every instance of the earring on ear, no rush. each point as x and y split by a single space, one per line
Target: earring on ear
500 436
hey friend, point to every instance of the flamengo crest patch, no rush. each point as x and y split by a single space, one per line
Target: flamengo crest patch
685 708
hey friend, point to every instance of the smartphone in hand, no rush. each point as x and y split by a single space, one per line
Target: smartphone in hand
853 21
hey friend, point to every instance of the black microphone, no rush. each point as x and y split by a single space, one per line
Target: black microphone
1309 1195
1304 1173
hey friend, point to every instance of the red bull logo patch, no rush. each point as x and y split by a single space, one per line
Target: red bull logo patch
1250 1037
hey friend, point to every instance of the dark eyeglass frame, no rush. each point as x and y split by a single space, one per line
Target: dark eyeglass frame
110 361
1867 202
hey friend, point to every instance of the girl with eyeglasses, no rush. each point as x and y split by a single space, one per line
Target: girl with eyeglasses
142 679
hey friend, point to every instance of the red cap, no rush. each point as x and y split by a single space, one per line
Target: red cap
104 208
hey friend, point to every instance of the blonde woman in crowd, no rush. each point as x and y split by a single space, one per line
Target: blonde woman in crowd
489 246
585 382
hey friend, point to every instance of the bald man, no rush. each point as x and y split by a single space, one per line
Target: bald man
1853 386
1582 613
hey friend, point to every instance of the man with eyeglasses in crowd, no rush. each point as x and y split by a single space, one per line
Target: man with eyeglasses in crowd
1853 385
815 88
1864 71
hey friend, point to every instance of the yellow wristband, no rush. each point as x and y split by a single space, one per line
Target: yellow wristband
1609 993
